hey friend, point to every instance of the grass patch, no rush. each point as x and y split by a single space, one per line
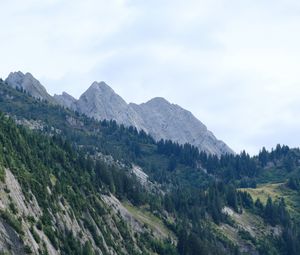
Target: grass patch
264 191
53 179
150 220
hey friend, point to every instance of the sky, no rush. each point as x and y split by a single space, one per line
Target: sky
234 64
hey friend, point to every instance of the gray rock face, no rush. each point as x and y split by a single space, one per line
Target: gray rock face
28 83
171 122
65 100
101 102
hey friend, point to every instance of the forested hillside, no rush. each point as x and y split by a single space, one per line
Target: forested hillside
90 187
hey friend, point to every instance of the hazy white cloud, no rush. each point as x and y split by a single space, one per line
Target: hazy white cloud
233 63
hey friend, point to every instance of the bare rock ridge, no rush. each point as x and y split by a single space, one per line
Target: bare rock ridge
156 117
101 102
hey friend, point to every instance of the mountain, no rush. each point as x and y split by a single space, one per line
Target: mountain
28 83
70 184
158 117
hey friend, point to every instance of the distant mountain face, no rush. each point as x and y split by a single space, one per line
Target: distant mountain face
157 117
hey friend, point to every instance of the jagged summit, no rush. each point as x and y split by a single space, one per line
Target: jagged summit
29 83
17 77
101 86
100 101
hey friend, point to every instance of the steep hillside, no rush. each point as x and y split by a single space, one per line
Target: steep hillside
56 201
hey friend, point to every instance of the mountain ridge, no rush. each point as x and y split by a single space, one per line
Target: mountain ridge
157 117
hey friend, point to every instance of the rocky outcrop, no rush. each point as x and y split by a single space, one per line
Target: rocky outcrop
65 100
18 226
29 84
12 196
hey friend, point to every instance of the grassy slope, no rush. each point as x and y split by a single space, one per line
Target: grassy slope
277 191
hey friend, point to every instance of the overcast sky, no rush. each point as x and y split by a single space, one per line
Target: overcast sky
234 64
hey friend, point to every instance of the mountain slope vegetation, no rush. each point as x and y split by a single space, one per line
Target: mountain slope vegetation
94 187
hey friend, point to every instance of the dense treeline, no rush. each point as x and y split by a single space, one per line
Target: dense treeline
240 167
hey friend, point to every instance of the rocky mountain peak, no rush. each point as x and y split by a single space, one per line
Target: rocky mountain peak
101 92
28 83
101 102
16 78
